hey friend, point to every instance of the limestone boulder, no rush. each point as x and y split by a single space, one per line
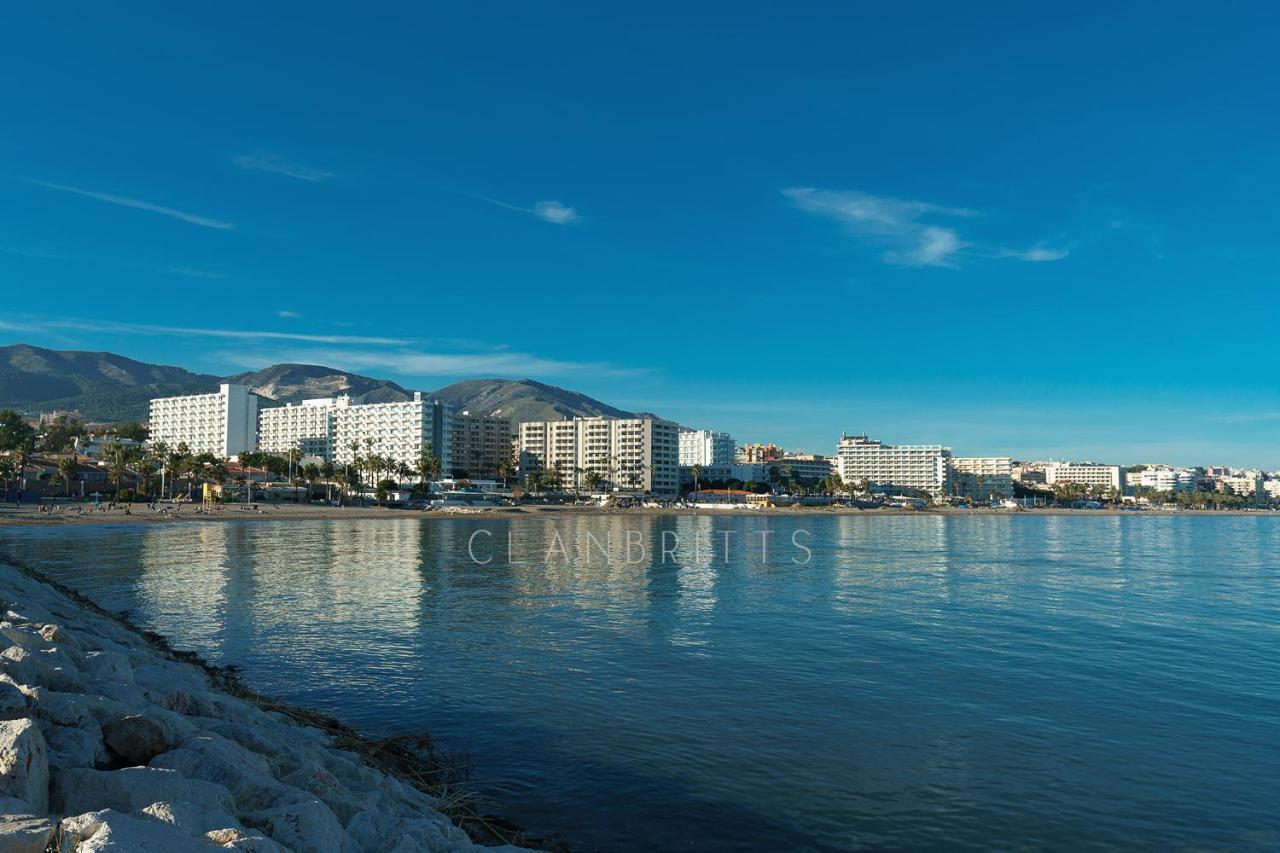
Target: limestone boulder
306 827
24 763
138 738
24 833
75 746
194 819
13 702
131 790
109 830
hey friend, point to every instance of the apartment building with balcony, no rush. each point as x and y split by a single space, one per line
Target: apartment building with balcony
629 455
901 467
333 429
307 426
224 423
481 444
981 478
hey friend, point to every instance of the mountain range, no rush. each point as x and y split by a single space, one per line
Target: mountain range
104 386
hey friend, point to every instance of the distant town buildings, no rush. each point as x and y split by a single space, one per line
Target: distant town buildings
758 453
1246 485
224 423
1161 478
621 455
1085 474
921 467
704 447
981 478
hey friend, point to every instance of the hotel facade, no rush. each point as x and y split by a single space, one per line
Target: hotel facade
334 430
1085 474
224 423
919 467
629 455
704 447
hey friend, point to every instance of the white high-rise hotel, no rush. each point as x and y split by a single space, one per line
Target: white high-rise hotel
225 423
905 466
334 430
630 455
704 447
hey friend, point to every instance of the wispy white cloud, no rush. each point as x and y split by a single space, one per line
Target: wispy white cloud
1036 254
261 162
913 233
548 211
554 211
39 325
409 361
138 204
288 315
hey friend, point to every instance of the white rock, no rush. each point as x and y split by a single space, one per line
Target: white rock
131 789
15 806
220 761
13 702
235 839
31 668
109 830
75 746
24 763
307 827
194 819
24 834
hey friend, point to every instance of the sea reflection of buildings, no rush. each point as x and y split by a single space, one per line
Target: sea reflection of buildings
220 582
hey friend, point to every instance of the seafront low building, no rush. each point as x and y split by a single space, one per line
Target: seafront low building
981 478
628 455
1085 474
804 467
705 447
481 444
902 467
224 423
333 429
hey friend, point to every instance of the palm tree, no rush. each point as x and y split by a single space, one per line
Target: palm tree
404 471
68 467
142 467
428 467
117 465
506 470
591 480
697 474
310 473
327 471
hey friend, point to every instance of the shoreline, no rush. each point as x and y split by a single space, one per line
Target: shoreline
110 736
28 515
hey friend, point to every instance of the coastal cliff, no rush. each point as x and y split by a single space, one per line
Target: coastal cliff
109 741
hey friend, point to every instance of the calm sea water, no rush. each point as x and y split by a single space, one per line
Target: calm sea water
1029 682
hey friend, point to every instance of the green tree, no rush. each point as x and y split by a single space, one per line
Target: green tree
60 434
68 469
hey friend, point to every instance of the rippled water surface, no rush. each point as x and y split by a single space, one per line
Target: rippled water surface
1042 682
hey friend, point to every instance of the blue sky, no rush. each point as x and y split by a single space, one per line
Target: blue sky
1004 228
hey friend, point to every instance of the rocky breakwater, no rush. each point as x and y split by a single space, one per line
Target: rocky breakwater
109 742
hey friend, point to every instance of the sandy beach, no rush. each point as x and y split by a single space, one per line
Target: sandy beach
29 514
